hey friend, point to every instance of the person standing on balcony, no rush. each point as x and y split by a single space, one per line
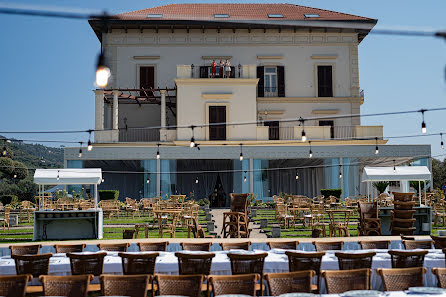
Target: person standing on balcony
228 68
221 70
213 68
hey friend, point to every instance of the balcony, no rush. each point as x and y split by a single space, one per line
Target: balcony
194 71
147 135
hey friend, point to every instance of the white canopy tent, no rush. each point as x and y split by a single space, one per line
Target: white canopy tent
70 176
397 173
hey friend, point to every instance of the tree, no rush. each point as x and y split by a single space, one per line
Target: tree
381 186
438 173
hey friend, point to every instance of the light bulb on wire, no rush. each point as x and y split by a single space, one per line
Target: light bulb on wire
394 167
304 136
80 149
310 154
192 139
148 180
158 152
196 180
244 177
58 177
442 143
103 72
340 171
423 124
376 146
89 145
241 152
297 175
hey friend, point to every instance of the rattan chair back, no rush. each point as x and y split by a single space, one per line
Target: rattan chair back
439 241
247 264
340 281
137 263
124 285
36 265
328 246
348 261
226 246
234 284
406 259
287 245
440 273
25 249
14 285
153 246
196 246
116 247
417 244
183 285
194 263
87 264
401 279
239 202
289 282
375 245
69 248
305 261
69 286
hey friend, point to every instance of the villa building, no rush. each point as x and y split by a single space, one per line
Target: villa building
292 69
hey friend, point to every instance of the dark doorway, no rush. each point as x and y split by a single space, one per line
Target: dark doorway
146 79
273 131
328 123
325 81
217 114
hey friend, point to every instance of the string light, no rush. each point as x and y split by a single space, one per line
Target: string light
297 175
192 140
58 177
89 145
15 175
304 136
80 150
376 147
102 180
196 180
394 168
158 152
103 72
423 124
310 155
241 152
244 178
148 180
340 171
442 144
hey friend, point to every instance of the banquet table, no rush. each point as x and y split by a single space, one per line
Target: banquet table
276 261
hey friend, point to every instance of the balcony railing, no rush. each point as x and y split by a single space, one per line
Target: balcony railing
139 135
204 71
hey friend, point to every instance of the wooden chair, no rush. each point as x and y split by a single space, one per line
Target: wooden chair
348 261
28 207
70 286
14 285
417 244
132 206
153 246
110 207
289 282
369 222
87 264
406 259
69 248
137 263
283 216
340 281
196 246
182 285
328 246
189 264
248 264
439 241
234 284
298 261
124 285
114 247
440 273
236 222
25 249
287 245
35 265
375 245
226 246
401 279
196 230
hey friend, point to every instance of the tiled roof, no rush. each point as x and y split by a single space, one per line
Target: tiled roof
205 12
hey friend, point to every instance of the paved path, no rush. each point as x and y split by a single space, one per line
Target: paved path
218 218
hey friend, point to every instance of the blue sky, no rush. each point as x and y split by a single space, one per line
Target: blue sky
48 66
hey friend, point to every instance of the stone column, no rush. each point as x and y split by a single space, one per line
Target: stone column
115 113
99 110
163 131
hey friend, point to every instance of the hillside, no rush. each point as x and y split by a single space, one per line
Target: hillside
36 155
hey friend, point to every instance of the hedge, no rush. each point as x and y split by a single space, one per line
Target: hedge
331 192
7 199
108 194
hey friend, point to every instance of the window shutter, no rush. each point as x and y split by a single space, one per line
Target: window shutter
281 81
203 72
261 84
325 81
146 79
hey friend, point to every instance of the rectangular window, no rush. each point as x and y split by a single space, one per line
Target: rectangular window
154 15
221 15
325 81
270 81
146 79
217 114
275 15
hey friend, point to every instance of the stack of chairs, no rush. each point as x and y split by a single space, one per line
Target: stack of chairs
235 222
402 216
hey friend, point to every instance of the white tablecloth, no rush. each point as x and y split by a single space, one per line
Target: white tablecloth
276 261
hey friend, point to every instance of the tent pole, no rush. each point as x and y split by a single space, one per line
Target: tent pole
95 196
419 191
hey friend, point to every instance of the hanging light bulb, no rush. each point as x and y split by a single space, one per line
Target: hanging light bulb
192 142
394 167
340 171
442 143
89 145
196 180
15 175
102 180
80 153
297 175
304 136
148 180
423 124
103 73
376 146
241 152
310 155
58 178
158 152
244 179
